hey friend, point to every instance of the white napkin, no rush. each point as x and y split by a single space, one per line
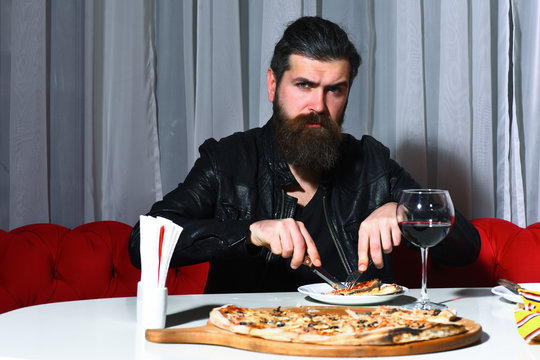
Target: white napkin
155 253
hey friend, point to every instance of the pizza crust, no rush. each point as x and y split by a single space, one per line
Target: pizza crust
220 320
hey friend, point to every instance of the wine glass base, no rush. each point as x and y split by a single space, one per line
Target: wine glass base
424 305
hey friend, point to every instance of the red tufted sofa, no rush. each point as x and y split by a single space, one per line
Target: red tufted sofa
508 251
42 263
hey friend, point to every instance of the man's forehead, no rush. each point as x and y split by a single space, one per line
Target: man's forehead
338 70
302 59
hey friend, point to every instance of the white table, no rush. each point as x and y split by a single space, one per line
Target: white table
106 328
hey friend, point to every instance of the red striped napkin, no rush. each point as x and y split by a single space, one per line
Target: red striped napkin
528 316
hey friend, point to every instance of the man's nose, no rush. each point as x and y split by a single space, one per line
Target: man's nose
317 102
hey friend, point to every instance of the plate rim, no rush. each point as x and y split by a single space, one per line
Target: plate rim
509 295
505 295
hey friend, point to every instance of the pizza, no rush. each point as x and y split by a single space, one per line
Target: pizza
384 325
371 287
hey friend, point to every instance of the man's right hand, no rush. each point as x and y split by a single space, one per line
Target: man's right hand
285 237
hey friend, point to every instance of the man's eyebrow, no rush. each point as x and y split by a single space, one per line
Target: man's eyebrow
339 84
301 79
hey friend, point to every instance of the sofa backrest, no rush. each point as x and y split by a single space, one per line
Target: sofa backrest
42 263
508 251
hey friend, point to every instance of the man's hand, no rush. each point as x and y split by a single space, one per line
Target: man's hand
285 237
378 234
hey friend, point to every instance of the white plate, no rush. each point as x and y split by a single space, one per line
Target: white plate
510 296
318 292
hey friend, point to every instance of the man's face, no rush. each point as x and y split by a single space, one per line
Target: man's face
309 106
312 86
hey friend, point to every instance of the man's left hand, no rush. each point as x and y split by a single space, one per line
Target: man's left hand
378 234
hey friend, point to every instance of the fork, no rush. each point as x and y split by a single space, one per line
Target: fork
353 277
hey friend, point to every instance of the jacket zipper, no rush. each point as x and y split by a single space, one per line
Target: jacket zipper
333 236
282 211
282 204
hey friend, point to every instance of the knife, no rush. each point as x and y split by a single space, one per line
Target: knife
510 285
322 273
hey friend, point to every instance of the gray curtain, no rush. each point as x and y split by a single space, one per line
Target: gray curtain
103 104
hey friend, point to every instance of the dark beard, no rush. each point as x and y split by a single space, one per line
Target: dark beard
316 149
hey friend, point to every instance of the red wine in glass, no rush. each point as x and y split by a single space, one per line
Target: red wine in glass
424 233
425 217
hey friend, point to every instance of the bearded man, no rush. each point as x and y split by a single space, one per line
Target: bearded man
255 203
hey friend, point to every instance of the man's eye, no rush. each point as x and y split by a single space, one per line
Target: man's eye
335 89
305 85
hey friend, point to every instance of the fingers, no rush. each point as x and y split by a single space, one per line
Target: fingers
377 235
396 235
369 245
294 242
380 241
311 247
386 242
363 249
286 237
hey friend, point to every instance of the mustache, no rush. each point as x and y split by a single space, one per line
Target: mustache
300 122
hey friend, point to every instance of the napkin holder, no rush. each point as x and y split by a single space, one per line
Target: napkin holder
151 306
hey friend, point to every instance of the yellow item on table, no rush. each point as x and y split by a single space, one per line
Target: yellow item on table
528 316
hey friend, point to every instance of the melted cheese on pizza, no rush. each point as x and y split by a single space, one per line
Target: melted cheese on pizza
384 325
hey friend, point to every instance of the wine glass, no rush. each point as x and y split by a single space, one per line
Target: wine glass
425 217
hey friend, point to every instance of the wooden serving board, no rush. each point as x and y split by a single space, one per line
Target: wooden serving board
212 335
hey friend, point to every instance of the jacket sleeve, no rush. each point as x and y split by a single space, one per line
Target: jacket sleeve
192 205
461 246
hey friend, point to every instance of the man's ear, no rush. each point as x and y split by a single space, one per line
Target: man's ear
271 84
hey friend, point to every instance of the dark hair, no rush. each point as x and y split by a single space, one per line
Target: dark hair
314 38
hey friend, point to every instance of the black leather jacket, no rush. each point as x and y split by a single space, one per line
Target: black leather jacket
240 180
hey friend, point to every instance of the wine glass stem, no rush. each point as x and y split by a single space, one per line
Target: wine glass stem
424 254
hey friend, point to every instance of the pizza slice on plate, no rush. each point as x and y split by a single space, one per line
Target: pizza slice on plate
372 287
